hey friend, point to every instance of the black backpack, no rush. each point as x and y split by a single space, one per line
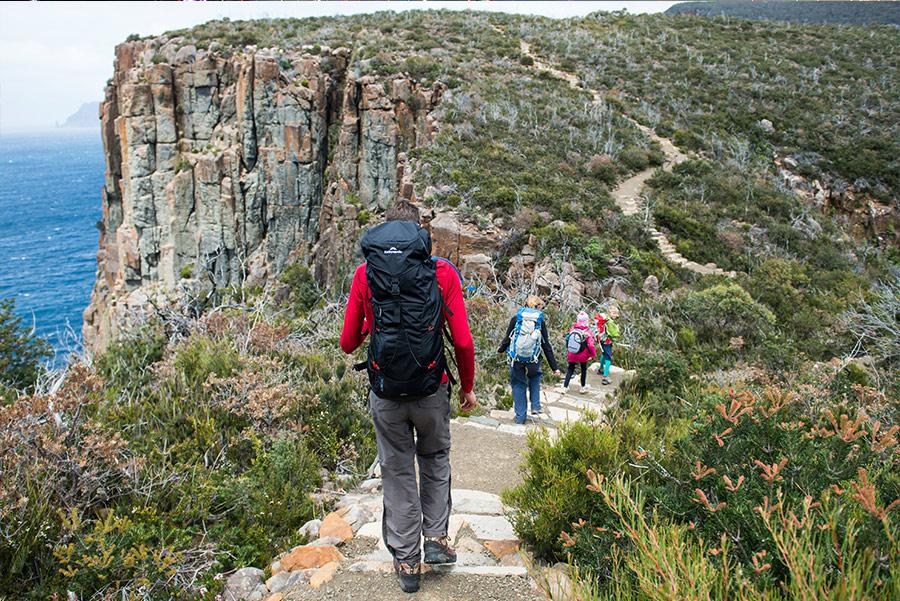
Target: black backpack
406 348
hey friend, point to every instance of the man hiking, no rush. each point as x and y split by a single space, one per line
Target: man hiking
526 336
403 298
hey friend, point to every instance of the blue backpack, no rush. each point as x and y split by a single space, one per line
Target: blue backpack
525 339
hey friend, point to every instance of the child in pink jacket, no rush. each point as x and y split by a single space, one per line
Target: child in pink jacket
581 349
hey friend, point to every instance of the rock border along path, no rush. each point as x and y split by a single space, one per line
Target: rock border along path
627 194
347 553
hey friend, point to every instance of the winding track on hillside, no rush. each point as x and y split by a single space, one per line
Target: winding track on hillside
627 194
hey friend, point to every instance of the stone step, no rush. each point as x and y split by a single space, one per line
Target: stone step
489 527
560 414
387 567
582 404
476 502
463 559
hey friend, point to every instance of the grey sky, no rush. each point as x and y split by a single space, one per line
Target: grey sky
56 55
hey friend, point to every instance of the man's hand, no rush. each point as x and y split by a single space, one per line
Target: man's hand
467 401
557 373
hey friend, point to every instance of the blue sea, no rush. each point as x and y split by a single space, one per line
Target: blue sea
50 203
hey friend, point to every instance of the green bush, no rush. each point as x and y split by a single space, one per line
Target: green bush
304 293
21 351
553 489
634 158
659 385
722 312
125 362
200 358
733 478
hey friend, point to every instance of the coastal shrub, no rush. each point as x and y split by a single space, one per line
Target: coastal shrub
21 350
634 158
125 362
553 489
722 312
657 559
200 357
791 490
304 293
660 384
202 462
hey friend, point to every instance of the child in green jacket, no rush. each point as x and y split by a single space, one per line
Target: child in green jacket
609 332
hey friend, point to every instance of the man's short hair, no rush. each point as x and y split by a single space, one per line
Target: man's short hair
402 210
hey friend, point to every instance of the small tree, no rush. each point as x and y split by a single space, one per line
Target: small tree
21 351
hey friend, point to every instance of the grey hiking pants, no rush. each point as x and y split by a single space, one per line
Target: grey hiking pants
410 510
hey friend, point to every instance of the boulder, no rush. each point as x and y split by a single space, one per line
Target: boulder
244 583
308 556
614 289
477 266
335 525
283 581
324 574
651 285
310 529
451 238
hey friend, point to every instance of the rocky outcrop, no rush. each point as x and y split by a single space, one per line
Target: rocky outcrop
227 165
867 216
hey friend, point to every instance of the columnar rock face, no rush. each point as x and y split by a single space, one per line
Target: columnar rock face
227 166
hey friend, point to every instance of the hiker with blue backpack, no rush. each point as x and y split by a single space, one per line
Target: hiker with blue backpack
581 349
525 340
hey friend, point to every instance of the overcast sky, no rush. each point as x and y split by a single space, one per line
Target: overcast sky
54 56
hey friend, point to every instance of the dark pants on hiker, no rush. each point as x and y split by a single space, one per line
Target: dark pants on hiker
571 371
525 378
410 510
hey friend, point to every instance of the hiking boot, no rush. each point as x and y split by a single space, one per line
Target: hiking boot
606 382
408 576
438 550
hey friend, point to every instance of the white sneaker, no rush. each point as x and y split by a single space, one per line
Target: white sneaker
562 389
585 388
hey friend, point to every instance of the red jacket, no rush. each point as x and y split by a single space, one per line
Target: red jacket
359 315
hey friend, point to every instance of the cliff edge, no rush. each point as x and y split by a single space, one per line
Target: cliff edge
226 165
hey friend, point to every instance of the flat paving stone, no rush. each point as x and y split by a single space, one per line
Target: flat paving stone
561 415
475 501
482 419
490 527
370 530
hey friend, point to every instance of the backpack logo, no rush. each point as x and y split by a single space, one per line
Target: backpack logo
393 251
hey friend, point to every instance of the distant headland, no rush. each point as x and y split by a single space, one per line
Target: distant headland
86 116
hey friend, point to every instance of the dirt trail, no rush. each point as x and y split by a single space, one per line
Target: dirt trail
627 194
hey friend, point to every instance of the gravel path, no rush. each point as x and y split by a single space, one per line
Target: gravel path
627 195
482 460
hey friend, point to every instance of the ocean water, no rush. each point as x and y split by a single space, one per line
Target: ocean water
50 184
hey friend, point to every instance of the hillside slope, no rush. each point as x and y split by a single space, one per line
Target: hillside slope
834 12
